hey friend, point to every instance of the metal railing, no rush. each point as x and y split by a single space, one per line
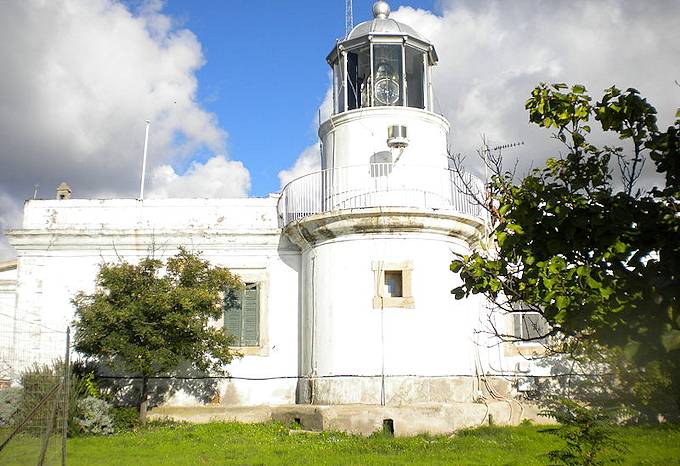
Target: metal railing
379 185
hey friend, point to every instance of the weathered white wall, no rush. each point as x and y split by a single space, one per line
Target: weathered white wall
8 282
346 336
8 273
62 243
184 214
354 137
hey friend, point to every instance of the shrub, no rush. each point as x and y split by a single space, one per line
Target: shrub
94 416
125 418
587 432
9 404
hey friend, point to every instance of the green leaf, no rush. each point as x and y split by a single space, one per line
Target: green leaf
501 237
606 292
458 293
557 264
620 247
631 349
456 266
594 284
516 228
562 302
671 340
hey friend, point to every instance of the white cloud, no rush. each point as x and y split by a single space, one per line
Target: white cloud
79 79
309 161
493 53
217 178
10 215
326 107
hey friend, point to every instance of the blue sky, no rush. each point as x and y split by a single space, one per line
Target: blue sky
266 74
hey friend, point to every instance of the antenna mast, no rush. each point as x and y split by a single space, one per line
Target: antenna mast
349 20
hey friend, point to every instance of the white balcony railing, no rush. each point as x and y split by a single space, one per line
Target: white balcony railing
378 185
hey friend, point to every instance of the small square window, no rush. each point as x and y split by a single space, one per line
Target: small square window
394 283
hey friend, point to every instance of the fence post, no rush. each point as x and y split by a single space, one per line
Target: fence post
67 386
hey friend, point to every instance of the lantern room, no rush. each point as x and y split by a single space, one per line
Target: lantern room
382 63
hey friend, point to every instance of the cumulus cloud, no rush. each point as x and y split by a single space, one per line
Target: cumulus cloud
10 215
217 178
492 53
307 162
79 79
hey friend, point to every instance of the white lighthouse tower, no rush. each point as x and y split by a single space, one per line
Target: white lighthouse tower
377 228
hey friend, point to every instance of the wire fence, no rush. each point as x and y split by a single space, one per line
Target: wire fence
34 394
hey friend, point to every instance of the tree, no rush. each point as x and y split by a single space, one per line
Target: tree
598 257
152 318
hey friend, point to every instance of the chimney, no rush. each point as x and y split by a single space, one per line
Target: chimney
63 191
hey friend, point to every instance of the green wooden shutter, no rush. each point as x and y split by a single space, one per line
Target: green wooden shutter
517 320
250 307
232 314
538 326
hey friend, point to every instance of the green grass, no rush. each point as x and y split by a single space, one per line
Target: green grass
25 450
218 443
271 444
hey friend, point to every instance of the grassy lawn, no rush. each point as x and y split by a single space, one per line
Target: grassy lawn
218 443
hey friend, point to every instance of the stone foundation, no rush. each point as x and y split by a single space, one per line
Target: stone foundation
432 419
398 390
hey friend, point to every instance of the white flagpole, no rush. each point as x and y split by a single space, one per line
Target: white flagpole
146 145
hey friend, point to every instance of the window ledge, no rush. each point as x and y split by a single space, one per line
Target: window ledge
390 302
524 348
251 350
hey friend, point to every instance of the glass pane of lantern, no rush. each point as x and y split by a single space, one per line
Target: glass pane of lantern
358 77
339 81
414 77
387 73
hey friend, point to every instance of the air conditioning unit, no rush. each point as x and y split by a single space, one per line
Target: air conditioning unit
397 137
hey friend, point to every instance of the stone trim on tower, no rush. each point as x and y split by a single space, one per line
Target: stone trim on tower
403 272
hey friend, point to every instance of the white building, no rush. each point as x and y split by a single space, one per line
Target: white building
348 269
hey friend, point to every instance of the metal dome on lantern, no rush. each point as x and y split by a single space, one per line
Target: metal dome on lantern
382 62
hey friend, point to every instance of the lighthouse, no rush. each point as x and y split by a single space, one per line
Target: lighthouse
377 229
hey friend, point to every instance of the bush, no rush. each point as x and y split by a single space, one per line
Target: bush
587 431
94 417
125 419
9 404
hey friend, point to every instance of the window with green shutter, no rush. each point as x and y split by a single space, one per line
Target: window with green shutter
530 326
242 315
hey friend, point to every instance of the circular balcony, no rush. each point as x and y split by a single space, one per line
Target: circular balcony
380 185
